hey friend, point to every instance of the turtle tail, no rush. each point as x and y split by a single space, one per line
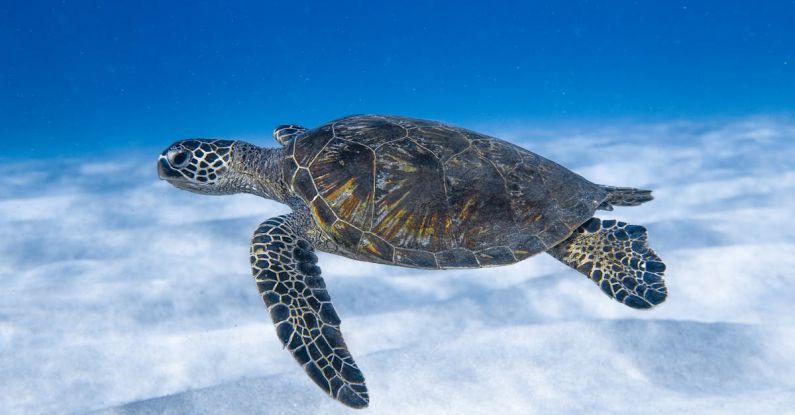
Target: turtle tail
616 257
624 196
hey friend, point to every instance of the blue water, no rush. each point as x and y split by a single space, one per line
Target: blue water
81 77
119 291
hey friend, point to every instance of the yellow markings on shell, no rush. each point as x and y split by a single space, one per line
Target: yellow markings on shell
350 199
347 207
373 249
408 168
448 225
468 209
344 190
345 194
421 228
392 222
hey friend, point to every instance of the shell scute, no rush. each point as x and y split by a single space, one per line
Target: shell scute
343 174
504 156
307 147
411 208
377 247
346 234
413 258
550 235
498 255
370 131
442 140
457 258
323 213
303 184
478 201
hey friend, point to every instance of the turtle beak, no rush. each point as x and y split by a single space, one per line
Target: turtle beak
165 171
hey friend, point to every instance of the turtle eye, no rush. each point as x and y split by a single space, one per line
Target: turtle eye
178 158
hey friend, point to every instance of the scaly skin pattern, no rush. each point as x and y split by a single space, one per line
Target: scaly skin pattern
197 165
288 279
411 193
617 258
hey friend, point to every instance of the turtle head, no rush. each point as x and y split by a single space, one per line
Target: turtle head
199 166
222 167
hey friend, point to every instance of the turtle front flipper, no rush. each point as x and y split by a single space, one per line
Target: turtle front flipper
617 258
287 132
284 267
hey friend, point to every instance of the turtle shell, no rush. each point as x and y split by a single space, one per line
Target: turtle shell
424 194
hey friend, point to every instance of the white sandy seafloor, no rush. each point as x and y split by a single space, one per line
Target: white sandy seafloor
122 295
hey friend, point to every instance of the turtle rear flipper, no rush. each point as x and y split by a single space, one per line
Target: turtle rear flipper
616 257
284 267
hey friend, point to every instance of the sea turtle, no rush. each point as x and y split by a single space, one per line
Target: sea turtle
413 193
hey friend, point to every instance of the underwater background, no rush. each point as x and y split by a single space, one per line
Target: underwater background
122 295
